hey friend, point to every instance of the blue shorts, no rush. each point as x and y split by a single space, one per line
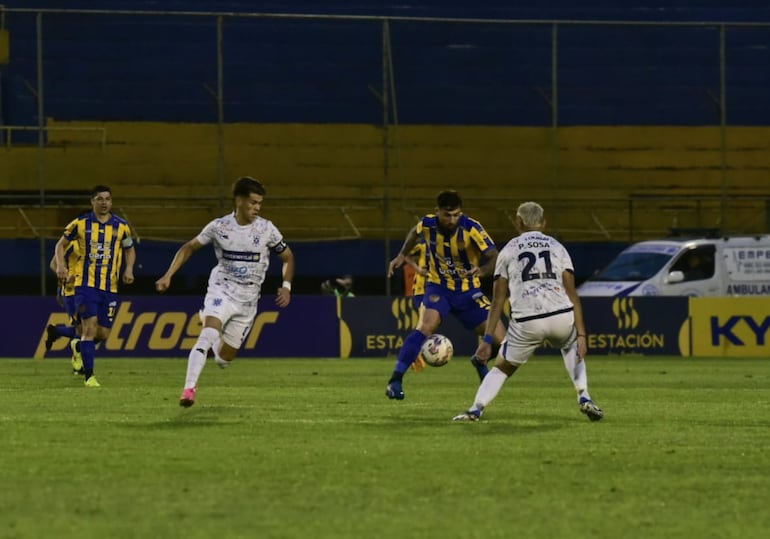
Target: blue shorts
470 308
417 301
93 302
69 307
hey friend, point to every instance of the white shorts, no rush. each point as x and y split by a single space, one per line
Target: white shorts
523 338
236 317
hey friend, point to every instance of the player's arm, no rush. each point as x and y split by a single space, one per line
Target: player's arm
59 287
283 297
568 279
59 266
490 259
487 250
499 295
129 255
182 255
409 242
411 260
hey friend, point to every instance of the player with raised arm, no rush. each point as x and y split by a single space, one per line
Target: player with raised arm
537 273
243 242
459 252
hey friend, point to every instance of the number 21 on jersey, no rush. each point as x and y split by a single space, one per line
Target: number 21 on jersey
530 259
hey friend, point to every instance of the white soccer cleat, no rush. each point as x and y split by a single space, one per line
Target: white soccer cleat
470 415
221 363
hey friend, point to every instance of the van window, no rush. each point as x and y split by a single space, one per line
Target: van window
633 266
696 264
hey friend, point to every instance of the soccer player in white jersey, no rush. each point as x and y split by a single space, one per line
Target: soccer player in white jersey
536 272
243 242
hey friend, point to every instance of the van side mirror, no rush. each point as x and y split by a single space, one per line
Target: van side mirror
675 277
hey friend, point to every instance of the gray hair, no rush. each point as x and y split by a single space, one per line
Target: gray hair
531 214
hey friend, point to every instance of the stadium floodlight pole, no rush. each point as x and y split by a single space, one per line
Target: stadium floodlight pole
41 150
220 112
723 125
386 145
554 114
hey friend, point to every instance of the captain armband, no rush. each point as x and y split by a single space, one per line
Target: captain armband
279 247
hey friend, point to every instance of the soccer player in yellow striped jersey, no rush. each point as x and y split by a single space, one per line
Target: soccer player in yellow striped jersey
65 296
65 291
106 246
459 252
418 261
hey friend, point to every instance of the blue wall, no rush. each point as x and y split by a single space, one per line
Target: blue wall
101 67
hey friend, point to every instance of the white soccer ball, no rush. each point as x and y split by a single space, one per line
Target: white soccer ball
437 350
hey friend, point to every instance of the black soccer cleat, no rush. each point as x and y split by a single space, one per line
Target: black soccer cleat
590 409
394 391
51 336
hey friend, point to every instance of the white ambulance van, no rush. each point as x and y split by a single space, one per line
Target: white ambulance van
728 266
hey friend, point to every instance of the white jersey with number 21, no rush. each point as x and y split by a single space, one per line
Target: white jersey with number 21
533 264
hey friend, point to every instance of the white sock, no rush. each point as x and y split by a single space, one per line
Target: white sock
223 363
576 371
197 358
489 388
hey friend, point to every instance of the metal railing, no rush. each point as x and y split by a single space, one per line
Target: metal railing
630 219
7 134
623 218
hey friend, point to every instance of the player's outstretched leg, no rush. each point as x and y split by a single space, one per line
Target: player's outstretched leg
488 390
576 368
88 351
406 356
195 363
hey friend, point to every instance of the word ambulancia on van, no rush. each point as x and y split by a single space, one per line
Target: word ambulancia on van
728 266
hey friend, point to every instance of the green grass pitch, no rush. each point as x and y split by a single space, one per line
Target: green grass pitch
312 448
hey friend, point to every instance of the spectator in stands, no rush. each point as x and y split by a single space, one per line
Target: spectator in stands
537 273
105 243
243 242
459 252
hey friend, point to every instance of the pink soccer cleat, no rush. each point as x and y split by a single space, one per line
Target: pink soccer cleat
188 397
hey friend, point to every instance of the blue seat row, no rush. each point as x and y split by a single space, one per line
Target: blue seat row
158 68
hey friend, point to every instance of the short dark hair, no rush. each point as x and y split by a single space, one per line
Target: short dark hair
247 185
449 200
95 190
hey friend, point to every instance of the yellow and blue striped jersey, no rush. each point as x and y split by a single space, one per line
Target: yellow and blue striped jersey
451 254
101 248
419 253
71 259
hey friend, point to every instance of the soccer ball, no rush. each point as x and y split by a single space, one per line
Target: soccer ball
437 350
